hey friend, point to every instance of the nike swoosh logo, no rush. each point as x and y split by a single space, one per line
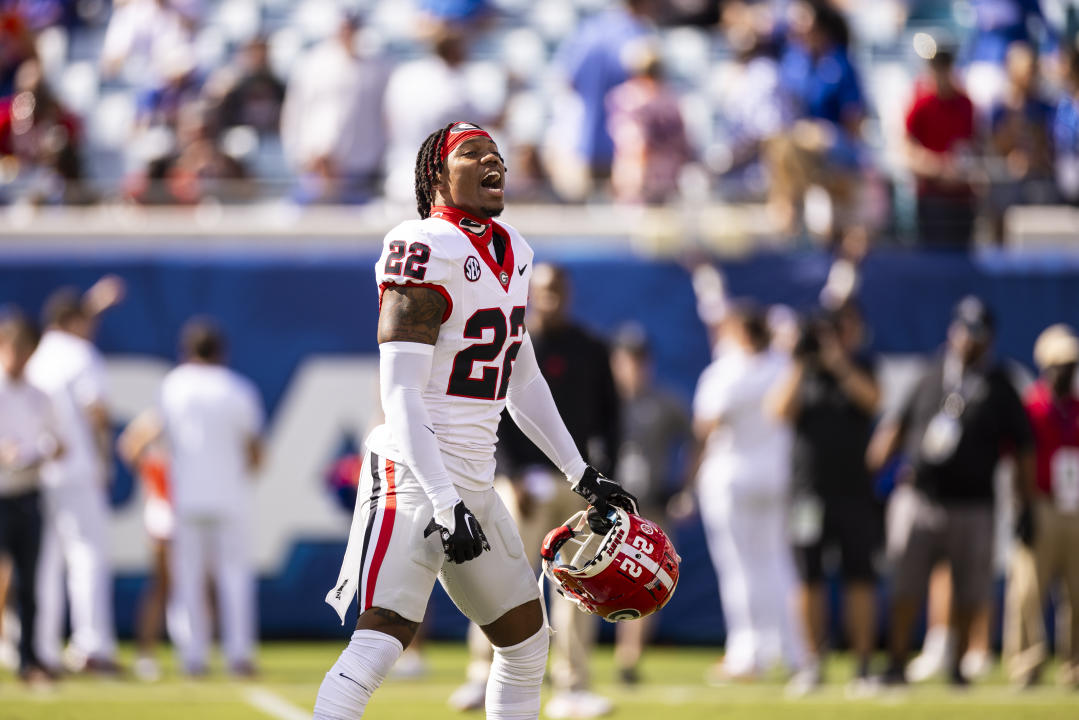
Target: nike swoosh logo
346 677
432 431
521 269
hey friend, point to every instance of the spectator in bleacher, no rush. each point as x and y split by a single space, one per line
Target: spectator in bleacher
961 418
427 93
1066 130
247 91
742 481
940 138
160 103
460 12
823 148
998 24
1053 407
1020 142
592 62
645 123
830 398
141 32
43 139
752 106
196 169
655 428
332 128
41 14
16 46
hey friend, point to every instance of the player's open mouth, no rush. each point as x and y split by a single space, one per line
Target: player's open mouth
492 183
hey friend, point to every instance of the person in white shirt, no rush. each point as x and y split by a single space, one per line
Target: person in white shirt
428 92
742 483
211 418
28 438
332 130
71 371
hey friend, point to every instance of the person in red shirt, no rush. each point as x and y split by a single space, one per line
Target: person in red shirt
1053 407
940 133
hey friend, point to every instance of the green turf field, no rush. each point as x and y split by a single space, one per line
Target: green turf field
672 690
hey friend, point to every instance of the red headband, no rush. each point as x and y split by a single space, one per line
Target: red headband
458 133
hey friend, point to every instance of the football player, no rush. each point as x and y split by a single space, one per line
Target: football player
454 352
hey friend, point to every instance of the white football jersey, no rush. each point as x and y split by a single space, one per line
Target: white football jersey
482 331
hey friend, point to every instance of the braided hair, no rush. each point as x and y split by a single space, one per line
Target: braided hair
428 165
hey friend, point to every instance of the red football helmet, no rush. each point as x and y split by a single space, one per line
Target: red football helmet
627 573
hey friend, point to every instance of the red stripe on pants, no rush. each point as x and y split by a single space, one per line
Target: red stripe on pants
384 534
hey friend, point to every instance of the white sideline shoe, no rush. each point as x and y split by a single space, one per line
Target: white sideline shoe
470 696
578 704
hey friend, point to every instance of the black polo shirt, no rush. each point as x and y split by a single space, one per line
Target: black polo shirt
577 368
992 423
831 434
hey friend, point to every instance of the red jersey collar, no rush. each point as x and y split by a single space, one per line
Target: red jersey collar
481 233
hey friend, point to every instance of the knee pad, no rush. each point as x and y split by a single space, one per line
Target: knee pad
513 690
358 672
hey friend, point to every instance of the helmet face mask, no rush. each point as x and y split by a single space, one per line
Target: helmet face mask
628 573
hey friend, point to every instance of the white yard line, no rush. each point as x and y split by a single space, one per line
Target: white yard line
273 704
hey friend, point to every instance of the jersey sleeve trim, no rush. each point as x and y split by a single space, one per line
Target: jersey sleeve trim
441 290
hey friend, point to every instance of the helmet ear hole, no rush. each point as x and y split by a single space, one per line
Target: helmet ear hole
628 572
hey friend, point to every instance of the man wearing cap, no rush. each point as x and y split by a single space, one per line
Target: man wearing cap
961 418
1053 408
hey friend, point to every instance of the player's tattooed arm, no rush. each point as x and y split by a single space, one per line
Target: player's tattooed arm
410 314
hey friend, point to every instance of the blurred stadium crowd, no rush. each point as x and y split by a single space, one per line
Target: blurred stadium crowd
852 120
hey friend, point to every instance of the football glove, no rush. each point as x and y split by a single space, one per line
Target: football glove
602 492
462 537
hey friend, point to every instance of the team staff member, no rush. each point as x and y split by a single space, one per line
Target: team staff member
742 485
28 437
68 367
211 418
655 427
830 398
454 352
962 416
1053 408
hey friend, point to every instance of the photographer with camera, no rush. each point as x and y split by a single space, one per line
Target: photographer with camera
829 398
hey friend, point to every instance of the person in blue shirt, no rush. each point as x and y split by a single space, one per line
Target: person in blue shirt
997 25
1020 141
591 60
1066 132
821 88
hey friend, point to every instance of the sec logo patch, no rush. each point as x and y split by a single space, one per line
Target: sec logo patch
472 268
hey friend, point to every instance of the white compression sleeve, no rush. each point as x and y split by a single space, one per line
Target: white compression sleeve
532 407
358 672
513 690
404 369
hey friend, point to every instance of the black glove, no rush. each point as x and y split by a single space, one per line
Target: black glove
462 537
1024 525
601 493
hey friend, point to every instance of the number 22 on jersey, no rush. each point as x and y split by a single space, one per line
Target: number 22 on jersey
494 380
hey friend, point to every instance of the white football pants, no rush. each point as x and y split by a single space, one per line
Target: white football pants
214 546
750 549
75 538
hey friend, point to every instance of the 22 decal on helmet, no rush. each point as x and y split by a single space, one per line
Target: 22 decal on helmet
627 573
